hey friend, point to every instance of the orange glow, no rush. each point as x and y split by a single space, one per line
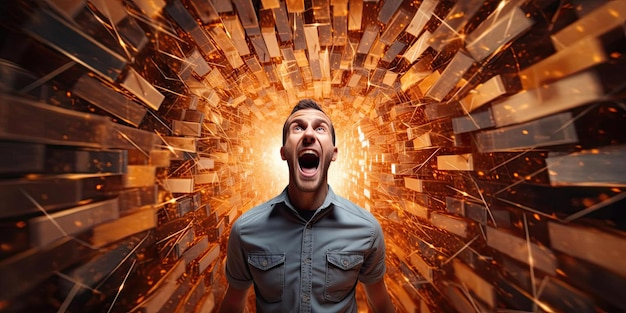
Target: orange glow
270 172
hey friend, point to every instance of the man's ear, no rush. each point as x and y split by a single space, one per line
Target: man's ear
282 153
335 152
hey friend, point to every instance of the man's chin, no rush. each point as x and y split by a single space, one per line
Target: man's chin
308 185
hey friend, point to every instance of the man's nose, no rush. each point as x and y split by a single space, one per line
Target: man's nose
309 136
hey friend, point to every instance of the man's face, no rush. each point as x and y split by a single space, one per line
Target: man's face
308 149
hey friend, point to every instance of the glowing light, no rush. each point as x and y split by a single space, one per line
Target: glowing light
271 174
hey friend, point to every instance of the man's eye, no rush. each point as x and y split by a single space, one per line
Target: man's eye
320 129
298 128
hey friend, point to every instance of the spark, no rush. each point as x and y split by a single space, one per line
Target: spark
460 250
69 298
596 207
47 77
131 142
520 181
493 220
531 261
130 253
116 34
121 287
54 222
525 208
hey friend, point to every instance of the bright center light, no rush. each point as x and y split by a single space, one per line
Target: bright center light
270 172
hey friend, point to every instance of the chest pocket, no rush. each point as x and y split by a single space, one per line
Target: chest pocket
342 271
268 272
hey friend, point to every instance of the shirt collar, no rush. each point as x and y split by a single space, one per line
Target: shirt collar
331 198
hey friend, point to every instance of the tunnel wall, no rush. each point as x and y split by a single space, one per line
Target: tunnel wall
486 137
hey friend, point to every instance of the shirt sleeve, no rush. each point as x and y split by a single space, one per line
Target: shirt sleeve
374 267
237 272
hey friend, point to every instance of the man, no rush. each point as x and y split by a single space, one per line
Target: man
305 250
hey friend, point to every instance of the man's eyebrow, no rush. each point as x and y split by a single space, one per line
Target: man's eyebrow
317 119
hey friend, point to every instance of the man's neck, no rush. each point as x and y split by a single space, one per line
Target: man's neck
307 200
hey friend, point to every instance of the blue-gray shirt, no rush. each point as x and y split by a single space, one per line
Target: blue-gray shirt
300 266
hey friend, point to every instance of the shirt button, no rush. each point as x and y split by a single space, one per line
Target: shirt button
305 298
307 260
345 262
264 262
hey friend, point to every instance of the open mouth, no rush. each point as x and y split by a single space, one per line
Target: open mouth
309 162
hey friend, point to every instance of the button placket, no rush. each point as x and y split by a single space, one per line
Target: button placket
306 271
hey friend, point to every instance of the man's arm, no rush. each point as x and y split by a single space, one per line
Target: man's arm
378 297
234 301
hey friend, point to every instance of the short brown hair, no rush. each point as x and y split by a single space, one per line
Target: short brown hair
307 104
